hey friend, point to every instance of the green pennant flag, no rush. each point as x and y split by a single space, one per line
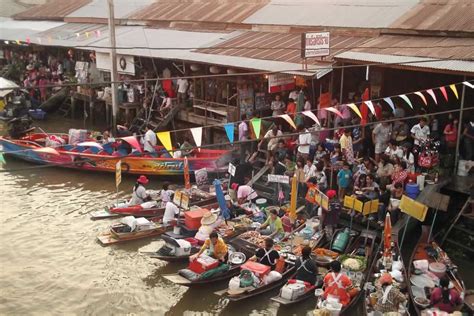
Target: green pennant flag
2 159
256 124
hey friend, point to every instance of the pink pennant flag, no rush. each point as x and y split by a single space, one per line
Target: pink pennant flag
132 140
432 94
46 150
370 105
453 87
418 93
404 97
311 116
287 118
355 109
28 41
334 110
445 94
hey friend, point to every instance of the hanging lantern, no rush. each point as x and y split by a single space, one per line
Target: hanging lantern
214 70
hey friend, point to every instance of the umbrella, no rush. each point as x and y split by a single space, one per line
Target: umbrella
187 181
387 236
132 140
91 144
5 83
221 199
294 198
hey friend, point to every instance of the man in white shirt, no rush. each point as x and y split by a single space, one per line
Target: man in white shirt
183 85
272 136
304 141
171 211
420 132
393 151
149 140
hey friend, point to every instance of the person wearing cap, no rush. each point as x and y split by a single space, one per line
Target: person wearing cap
388 296
139 194
337 284
274 224
330 217
216 248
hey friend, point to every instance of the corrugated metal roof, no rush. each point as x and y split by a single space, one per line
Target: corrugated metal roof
421 46
439 15
153 38
52 10
21 30
337 13
278 47
99 9
224 11
459 66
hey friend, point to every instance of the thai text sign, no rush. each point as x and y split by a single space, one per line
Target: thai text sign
314 44
280 82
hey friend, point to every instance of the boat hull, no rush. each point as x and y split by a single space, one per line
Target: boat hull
211 160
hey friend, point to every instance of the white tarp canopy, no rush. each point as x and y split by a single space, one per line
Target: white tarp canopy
5 83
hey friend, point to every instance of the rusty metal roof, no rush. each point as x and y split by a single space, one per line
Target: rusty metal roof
421 46
224 11
51 10
278 46
439 15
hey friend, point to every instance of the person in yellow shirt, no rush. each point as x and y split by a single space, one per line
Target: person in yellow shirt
216 248
346 146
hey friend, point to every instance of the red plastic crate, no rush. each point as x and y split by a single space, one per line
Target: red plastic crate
192 219
200 266
258 269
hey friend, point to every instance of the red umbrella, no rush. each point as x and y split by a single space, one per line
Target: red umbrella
387 236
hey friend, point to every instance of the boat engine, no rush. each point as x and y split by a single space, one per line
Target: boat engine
19 127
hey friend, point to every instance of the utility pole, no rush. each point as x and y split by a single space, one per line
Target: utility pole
113 66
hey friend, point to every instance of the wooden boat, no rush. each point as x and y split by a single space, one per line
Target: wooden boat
252 292
89 158
433 253
118 234
55 101
139 211
371 279
234 270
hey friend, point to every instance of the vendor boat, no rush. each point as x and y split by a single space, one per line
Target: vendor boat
55 101
427 264
131 228
380 263
95 157
234 269
143 211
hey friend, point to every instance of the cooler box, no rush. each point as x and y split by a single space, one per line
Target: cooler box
192 219
292 291
202 264
260 270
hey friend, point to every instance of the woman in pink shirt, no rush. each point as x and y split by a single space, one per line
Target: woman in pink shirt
444 298
451 133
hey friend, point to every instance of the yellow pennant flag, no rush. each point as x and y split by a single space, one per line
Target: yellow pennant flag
355 109
453 87
287 118
165 139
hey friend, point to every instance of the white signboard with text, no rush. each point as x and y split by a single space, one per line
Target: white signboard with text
315 44
278 178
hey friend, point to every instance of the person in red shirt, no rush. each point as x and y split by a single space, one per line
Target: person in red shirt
444 298
291 107
337 284
400 173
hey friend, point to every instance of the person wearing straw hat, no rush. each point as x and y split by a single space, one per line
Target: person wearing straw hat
388 296
139 194
209 222
215 246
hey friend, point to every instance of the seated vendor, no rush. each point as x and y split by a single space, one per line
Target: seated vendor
388 296
267 256
273 227
139 194
306 268
337 284
444 298
245 193
215 247
234 209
